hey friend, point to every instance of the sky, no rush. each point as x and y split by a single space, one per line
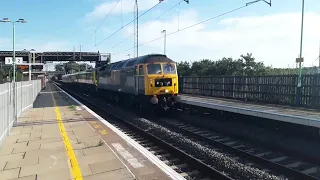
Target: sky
271 34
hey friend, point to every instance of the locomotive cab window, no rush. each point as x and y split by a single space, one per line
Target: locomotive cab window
169 68
154 69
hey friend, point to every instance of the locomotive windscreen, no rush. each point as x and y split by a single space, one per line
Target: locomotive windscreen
169 68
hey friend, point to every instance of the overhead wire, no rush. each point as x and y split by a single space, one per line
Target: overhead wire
107 15
228 12
318 59
126 25
149 22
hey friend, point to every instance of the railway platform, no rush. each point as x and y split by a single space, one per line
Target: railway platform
287 114
61 139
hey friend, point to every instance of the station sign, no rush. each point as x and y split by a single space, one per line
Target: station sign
40 67
8 60
23 67
26 67
105 57
299 60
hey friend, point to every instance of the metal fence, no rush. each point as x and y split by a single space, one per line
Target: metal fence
26 93
277 89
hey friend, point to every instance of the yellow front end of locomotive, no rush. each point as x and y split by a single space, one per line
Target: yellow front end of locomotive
161 79
162 85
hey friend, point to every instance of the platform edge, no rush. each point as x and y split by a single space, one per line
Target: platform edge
269 115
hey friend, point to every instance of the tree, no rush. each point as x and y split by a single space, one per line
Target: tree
245 65
71 67
184 68
85 66
2 76
59 67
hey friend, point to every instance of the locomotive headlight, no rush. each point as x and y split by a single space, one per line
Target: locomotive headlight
166 90
174 80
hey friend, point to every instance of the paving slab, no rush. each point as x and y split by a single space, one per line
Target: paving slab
21 163
9 174
32 177
122 174
55 175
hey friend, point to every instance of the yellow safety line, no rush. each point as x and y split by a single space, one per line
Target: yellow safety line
75 169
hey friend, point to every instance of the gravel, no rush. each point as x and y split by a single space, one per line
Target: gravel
304 146
216 159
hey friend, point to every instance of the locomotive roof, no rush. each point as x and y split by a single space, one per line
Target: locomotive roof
150 58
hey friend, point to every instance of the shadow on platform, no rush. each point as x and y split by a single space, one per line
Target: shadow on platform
44 98
53 121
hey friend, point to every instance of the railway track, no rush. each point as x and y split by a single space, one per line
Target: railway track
267 160
189 167
170 159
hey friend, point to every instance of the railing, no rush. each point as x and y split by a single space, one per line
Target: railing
279 89
26 93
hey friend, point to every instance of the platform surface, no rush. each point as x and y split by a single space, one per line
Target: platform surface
275 112
57 139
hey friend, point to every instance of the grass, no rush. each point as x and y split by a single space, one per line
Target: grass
100 143
73 107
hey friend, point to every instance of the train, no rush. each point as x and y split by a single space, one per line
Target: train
148 81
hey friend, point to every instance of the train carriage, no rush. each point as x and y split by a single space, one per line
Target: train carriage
85 79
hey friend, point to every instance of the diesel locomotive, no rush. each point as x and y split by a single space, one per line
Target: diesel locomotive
144 82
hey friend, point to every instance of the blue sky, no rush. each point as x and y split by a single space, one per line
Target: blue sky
60 25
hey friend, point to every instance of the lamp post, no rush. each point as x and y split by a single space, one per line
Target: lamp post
31 51
300 60
165 39
6 20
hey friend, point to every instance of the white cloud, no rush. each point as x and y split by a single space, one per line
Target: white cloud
38 45
273 39
127 6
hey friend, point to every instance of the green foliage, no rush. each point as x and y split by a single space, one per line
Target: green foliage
292 71
2 76
85 66
19 75
2 73
71 67
246 65
59 67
